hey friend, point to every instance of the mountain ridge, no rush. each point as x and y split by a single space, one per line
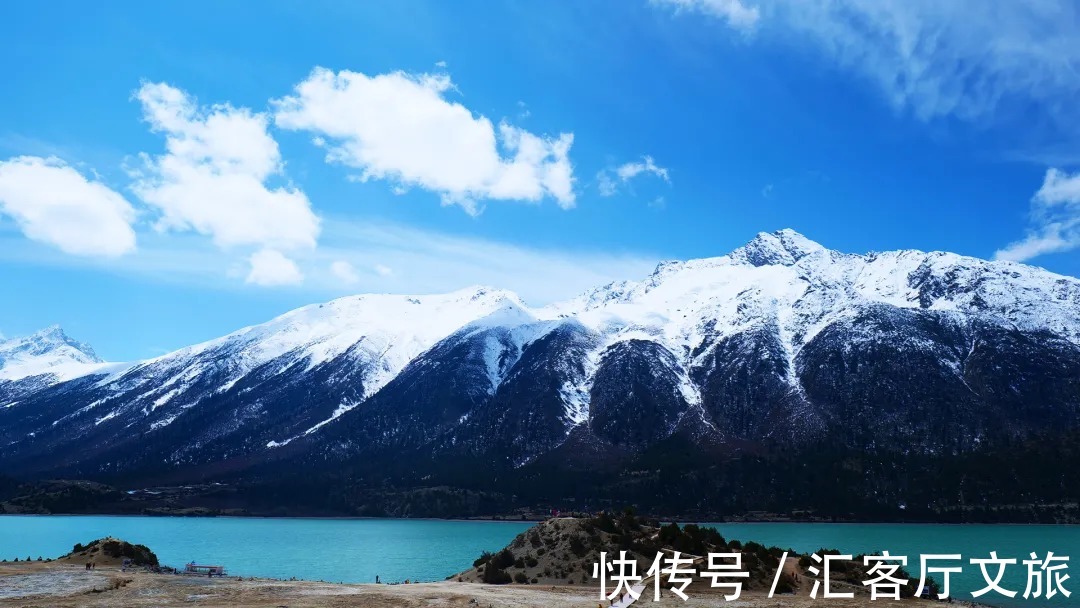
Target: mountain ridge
782 344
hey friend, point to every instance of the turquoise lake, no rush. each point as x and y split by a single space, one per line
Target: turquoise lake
337 550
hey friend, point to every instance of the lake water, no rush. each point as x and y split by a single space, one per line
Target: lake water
912 540
427 550
332 550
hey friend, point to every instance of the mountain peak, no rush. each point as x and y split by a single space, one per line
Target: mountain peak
783 247
47 351
51 333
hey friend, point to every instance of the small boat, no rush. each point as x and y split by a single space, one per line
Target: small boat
204 570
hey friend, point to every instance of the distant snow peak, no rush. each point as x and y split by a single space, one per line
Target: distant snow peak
47 352
50 339
783 247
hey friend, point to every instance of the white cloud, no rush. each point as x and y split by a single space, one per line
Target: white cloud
631 170
606 184
401 127
734 12
55 204
952 58
270 268
345 272
213 176
1055 213
608 180
409 261
424 261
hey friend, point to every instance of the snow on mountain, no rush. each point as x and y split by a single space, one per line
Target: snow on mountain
738 341
49 353
785 279
390 329
341 351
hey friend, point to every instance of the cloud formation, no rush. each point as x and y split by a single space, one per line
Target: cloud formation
958 58
400 127
608 181
345 272
428 261
387 257
733 12
270 268
1055 215
53 203
213 177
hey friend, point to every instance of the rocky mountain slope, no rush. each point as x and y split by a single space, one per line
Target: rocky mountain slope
780 346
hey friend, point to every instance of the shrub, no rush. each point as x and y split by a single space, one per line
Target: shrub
140 555
520 578
670 533
785 585
502 560
604 522
484 558
495 576
531 561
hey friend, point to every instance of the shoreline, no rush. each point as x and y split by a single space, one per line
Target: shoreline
508 520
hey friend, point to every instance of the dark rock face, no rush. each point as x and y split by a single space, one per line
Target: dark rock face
1029 379
635 398
529 414
432 395
745 387
890 375
204 420
931 381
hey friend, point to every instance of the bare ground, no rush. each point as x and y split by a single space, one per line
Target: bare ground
57 585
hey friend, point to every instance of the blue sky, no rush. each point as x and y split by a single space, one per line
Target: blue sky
170 172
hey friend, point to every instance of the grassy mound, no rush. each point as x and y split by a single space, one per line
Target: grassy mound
562 551
111 551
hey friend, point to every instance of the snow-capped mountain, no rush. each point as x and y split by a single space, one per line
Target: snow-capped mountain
780 341
262 385
49 352
43 359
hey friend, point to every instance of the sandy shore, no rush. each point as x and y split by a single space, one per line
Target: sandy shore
71 586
